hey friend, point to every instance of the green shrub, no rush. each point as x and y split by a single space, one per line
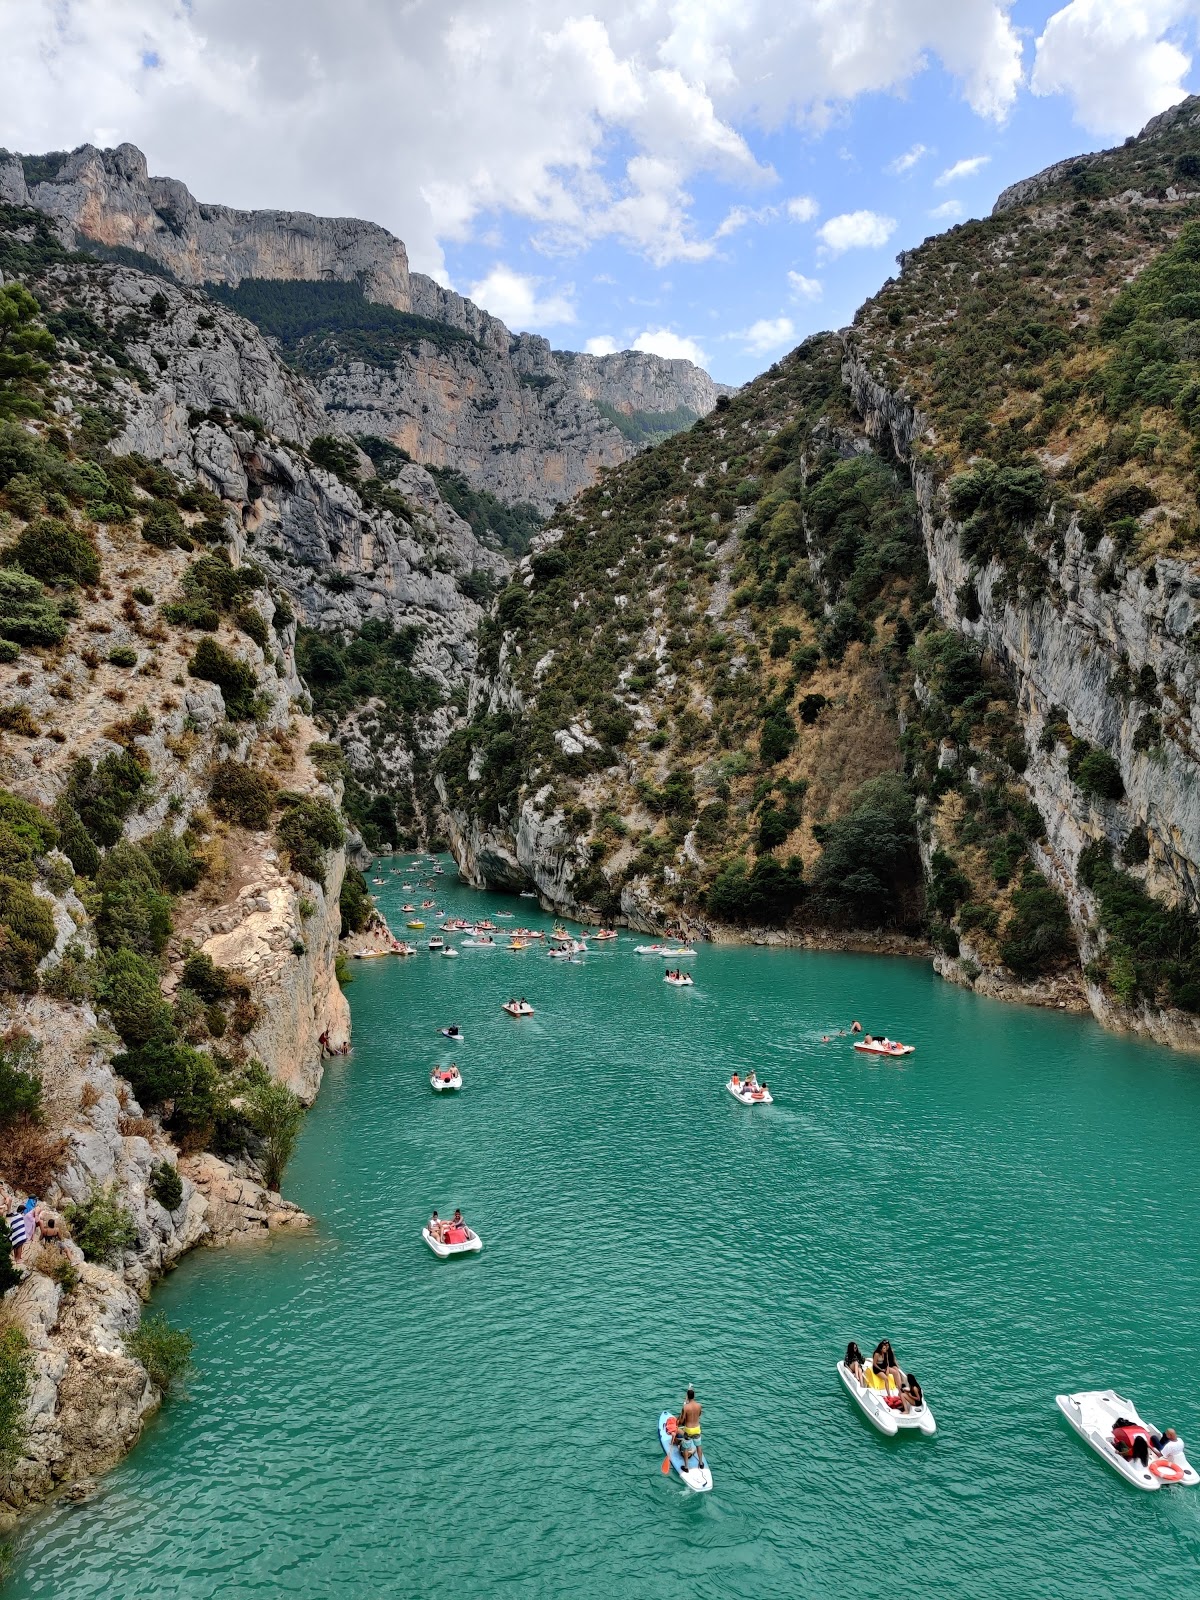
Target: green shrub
243 795
307 829
276 1115
129 987
178 866
101 1226
27 615
123 655
1036 939
1099 775
20 1081
165 1352
1161 943
778 737
162 526
16 1378
869 872
166 1185
26 832
211 982
236 681
104 795
253 624
160 1070
75 841
354 901
767 893
52 550
134 911
27 933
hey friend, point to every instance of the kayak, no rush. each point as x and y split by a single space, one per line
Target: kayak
684 981
755 1097
873 1405
442 1078
468 1246
697 1478
1093 1414
517 1008
885 1047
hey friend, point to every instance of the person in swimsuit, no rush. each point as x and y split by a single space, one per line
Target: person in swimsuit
856 1027
912 1397
688 1432
435 1228
854 1361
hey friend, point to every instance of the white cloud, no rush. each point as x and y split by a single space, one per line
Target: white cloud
513 297
966 168
804 288
947 211
856 230
907 161
801 208
1116 61
664 342
439 117
602 345
768 333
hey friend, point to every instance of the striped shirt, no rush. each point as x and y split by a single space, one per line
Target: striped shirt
20 1226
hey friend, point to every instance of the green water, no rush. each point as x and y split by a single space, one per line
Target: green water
1014 1205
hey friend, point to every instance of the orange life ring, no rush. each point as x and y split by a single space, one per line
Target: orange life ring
1167 1471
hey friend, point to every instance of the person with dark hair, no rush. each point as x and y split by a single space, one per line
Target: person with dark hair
854 1361
912 1397
688 1431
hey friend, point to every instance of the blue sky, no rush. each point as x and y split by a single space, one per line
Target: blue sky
713 178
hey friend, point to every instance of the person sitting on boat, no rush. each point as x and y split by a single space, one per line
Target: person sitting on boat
752 1079
912 1397
688 1431
1131 1441
854 1361
453 1031
456 1221
1168 1444
735 1081
890 1364
435 1228
877 1376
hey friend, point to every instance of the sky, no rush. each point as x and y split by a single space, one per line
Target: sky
713 179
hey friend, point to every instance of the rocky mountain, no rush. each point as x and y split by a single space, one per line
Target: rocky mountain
900 641
201 583
436 375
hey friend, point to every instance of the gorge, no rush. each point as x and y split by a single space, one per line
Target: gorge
306 558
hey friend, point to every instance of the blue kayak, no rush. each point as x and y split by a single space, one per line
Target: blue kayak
697 1478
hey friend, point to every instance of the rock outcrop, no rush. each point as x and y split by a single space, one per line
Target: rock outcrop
528 423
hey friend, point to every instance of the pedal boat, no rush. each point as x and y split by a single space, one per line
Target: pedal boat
873 1405
444 1080
750 1097
696 1478
437 943
884 1047
516 1009
451 952
463 1247
683 981
1093 1412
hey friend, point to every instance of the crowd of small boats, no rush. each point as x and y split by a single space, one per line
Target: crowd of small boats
890 1399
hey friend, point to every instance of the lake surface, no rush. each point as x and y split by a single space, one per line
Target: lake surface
1015 1205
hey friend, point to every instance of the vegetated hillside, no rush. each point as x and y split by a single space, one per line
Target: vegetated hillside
171 865
397 355
924 587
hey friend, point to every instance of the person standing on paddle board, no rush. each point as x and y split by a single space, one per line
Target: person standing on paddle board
688 1432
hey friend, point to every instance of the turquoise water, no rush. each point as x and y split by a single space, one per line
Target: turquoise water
1014 1205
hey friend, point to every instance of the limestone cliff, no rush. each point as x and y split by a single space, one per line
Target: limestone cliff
519 419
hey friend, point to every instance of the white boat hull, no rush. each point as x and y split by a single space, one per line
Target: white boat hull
471 1245
760 1097
518 1011
876 1409
1092 1413
679 983
896 1050
441 1085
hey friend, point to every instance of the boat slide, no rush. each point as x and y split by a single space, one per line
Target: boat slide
1094 1412
873 1405
696 1477
468 1246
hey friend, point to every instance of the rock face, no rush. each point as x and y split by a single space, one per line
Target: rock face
109 196
519 419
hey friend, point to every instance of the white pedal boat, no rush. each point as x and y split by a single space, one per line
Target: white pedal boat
517 1008
469 1246
450 951
874 1406
1093 1412
697 1478
750 1097
884 1047
684 981
442 1079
